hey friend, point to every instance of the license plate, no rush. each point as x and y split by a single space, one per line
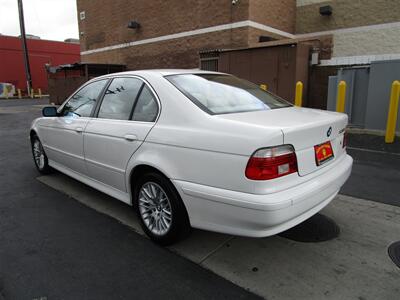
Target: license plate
323 153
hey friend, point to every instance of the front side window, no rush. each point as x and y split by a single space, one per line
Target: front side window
119 98
222 94
146 108
82 102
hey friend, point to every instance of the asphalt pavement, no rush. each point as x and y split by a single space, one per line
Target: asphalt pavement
53 247
376 171
375 176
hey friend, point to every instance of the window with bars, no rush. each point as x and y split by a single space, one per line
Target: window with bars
209 60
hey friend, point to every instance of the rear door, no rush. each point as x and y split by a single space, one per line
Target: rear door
62 136
122 121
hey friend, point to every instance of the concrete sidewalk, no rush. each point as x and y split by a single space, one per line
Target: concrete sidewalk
353 266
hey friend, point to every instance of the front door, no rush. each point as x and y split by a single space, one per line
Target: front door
62 136
124 118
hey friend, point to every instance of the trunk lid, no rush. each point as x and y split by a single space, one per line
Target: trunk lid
303 128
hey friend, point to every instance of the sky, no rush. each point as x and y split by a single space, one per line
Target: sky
49 19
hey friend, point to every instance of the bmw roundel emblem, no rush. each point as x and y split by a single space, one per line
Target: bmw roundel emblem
329 132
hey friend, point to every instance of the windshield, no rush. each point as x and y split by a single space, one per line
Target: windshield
223 94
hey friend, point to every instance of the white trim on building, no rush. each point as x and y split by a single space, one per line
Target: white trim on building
270 29
249 23
350 29
240 24
358 60
308 2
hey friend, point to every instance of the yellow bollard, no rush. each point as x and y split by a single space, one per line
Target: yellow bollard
298 100
392 114
341 97
40 93
264 86
19 93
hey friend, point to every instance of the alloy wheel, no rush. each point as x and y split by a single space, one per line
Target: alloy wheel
38 154
155 208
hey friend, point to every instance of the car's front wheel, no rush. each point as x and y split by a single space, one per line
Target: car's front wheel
39 156
160 209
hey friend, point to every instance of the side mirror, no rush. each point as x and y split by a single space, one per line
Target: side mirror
49 111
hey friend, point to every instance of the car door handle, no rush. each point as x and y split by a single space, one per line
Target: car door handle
130 137
79 129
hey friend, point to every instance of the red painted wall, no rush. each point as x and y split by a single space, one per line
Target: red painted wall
41 52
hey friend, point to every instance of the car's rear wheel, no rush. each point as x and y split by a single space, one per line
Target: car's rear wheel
39 156
160 209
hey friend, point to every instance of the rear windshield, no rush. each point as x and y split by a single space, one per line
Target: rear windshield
223 94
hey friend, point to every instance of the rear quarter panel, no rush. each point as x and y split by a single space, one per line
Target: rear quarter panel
209 157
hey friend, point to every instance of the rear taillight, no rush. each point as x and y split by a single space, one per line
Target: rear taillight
270 163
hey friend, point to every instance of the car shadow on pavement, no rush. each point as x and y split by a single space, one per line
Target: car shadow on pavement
318 228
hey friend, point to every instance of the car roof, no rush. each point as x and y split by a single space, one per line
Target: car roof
163 72
166 72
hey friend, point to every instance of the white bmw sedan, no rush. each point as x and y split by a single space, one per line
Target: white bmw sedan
196 149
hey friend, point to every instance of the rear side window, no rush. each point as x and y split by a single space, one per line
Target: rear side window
119 98
146 108
222 94
82 102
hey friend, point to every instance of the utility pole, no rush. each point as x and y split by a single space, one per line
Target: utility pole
24 47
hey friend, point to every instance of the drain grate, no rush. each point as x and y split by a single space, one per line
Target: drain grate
394 253
318 228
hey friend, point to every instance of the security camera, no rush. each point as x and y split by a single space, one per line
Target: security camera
234 2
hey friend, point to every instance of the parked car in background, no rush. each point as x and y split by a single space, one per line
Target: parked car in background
196 149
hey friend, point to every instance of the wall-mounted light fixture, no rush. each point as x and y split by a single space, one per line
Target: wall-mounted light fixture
134 25
265 38
325 10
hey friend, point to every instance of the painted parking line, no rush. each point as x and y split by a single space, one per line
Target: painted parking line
373 151
354 265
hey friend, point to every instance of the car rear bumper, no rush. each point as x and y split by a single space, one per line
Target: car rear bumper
255 215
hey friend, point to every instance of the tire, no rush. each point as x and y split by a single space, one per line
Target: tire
39 156
161 212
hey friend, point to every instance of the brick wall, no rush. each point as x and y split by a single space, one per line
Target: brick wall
105 24
177 53
368 42
280 14
362 30
318 85
346 13
106 21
